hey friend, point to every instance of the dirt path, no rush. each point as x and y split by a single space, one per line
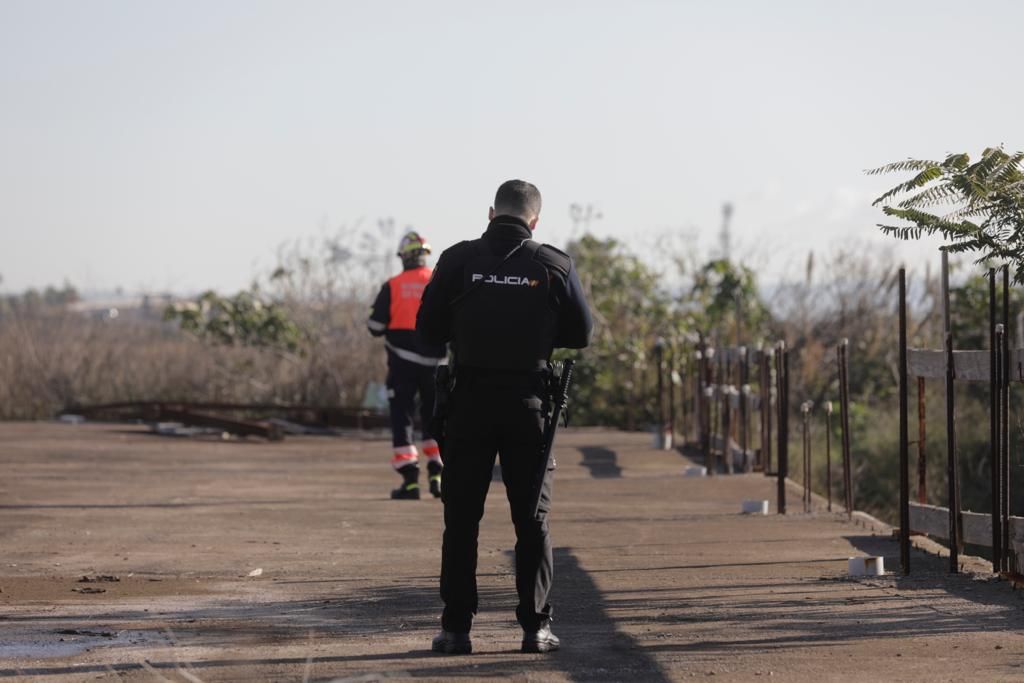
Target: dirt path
657 576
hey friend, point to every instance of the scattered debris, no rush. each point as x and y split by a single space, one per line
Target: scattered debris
179 429
80 632
88 590
256 572
101 578
289 427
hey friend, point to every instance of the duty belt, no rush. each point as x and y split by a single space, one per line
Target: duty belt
502 376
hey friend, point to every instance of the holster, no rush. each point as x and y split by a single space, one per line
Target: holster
443 381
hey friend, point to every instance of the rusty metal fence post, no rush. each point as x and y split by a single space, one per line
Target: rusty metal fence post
659 361
766 406
1004 440
805 414
782 377
672 395
728 391
844 419
995 415
828 451
904 438
744 388
952 461
922 436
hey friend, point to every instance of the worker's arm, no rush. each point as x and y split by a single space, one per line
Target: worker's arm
380 314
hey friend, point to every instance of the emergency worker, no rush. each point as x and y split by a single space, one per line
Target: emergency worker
411 367
503 302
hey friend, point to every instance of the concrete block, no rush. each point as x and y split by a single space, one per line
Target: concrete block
695 471
755 507
865 566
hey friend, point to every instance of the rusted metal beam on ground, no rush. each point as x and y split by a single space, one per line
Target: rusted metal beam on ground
268 431
327 416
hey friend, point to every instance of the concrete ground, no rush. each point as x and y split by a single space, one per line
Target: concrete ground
252 561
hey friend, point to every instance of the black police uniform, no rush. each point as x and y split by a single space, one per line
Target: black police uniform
502 319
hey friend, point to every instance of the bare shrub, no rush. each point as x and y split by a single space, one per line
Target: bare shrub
52 357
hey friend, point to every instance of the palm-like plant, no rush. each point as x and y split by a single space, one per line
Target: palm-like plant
977 207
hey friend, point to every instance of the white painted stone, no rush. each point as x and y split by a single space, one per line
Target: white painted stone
755 507
865 566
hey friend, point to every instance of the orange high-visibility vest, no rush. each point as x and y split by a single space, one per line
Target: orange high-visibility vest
406 292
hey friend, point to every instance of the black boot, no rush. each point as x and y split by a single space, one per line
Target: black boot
434 470
450 643
541 640
410 488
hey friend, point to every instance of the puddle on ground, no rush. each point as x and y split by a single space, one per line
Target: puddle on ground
67 642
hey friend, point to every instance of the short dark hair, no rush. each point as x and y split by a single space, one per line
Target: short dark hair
517 198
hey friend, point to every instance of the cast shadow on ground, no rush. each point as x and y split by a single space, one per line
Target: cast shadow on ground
130 506
601 462
593 647
811 613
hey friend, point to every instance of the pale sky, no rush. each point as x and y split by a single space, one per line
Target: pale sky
175 145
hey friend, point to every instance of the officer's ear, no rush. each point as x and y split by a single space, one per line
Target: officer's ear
533 223
490 214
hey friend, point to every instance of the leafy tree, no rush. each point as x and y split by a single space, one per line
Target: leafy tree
244 319
976 207
724 297
630 309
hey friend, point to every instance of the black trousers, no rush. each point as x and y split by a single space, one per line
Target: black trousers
405 380
488 417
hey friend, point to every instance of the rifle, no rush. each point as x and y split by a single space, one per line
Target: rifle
560 385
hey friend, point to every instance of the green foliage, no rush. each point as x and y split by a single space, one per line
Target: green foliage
725 297
630 311
976 207
969 310
241 320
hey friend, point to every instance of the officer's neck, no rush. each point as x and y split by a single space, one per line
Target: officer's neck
507 219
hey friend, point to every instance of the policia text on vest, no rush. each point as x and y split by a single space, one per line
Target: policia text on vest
503 302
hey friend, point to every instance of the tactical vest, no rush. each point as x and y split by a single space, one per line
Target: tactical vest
406 292
507 322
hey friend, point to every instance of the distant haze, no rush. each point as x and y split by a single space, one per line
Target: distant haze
174 145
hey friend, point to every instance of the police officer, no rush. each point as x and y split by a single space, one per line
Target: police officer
411 366
503 302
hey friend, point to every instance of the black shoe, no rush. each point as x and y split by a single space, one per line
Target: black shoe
541 640
435 485
450 643
406 492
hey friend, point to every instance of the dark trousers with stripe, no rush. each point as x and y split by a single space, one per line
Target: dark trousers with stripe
489 417
405 380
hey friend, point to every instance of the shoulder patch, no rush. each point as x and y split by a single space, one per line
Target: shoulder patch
554 258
